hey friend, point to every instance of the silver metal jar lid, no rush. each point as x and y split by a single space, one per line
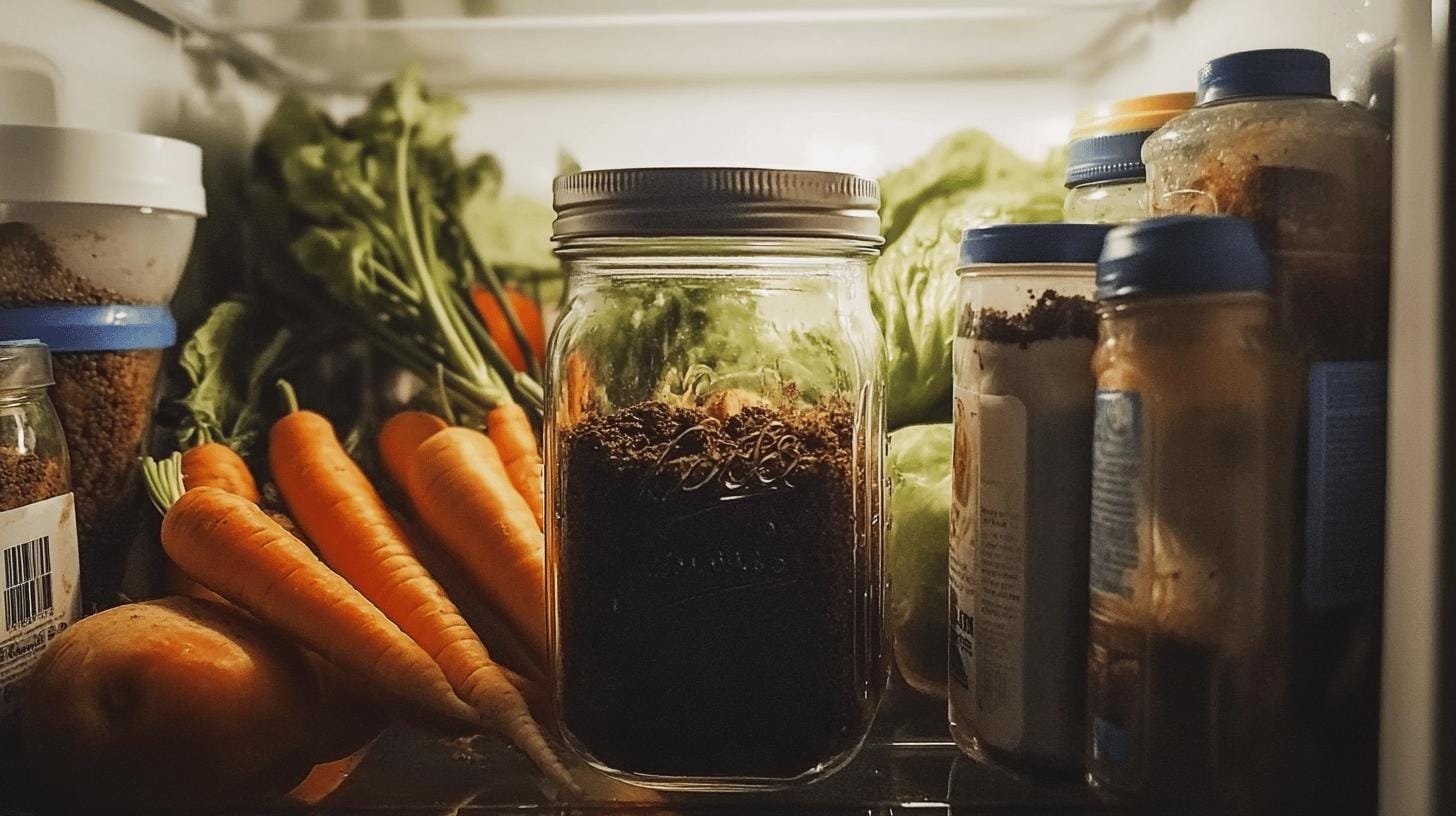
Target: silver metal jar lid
732 202
25 364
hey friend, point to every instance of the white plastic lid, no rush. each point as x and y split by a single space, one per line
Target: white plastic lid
79 166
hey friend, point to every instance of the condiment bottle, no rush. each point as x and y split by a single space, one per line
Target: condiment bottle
1267 142
715 480
1192 490
1106 180
1021 490
40 595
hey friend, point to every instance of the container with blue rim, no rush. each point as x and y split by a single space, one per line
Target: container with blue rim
1023 394
1192 546
1105 173
106 362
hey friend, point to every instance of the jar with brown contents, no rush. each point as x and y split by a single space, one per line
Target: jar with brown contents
39 595
1192 495
1268 142
107 361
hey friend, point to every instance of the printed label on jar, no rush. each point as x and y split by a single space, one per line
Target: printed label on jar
1116 475
999 577
962 624
1345 510
41 586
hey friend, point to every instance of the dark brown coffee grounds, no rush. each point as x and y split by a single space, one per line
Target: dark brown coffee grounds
707 590
1050 316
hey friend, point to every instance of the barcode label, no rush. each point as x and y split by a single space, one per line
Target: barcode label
28 592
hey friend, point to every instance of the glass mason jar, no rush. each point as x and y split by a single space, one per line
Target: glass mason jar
1193 484
1021 493
715 488
37 516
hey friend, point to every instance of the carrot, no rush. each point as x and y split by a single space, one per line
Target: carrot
510 430
461 493
499 327
400 436
230 545
341 513
217 465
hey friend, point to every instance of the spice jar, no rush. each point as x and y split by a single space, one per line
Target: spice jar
40 596
1106 180
1193 482
715 487
1023 451
107 361
1267 142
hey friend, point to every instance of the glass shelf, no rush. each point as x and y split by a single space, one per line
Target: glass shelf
351 45
908 766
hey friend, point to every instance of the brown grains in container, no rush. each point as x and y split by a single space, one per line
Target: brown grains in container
1050 316
32 274
26 479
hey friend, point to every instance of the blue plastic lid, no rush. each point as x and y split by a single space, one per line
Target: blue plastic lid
1270 72
1182 255
1114 157
91 328
1033 244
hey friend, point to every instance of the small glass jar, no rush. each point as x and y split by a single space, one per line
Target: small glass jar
37 516
1106 179
1023 452
1193 484
715 486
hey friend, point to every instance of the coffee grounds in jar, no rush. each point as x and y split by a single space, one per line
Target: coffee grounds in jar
26 479
1051 316
31 273
707 590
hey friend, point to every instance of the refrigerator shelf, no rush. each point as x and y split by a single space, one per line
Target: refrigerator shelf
353 45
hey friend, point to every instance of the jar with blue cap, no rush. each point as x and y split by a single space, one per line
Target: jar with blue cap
1192 523
107 361
39 596
1023 396
1269 143
1106 180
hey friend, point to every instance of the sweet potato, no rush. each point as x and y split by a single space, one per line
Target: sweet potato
172 703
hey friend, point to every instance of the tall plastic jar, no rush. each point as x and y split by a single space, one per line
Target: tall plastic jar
37 520
1106 180
715 486
1267 142
1193 484
95 230
1021 493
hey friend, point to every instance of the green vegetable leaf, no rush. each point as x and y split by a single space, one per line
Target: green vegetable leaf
227 369
920 466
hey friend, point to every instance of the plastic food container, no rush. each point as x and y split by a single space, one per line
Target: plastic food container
37 521
1193 485
94 217
1105 173
715 442
1021 492
106 361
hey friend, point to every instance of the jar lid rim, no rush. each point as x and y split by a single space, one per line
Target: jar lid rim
726 202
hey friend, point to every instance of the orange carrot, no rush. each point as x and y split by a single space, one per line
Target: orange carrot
496 323
229 545
461 493
217 465
400 436
339 510
510 430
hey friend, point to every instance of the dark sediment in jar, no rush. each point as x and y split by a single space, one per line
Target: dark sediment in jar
708 591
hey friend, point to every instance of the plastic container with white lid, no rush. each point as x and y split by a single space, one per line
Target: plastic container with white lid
93 216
